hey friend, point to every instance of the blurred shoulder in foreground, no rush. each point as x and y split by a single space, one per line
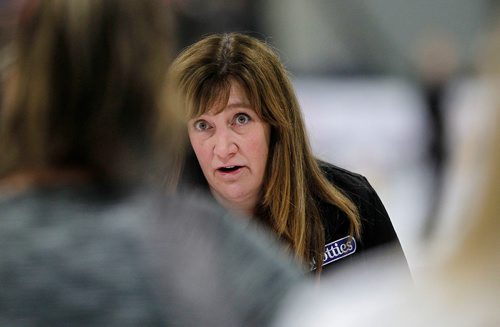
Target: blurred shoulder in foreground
91 256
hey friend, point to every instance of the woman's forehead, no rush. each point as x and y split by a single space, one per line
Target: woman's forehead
238 96
215 98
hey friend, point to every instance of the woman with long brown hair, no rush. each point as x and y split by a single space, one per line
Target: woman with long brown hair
248 135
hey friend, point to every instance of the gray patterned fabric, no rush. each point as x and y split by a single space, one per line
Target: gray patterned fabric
88 256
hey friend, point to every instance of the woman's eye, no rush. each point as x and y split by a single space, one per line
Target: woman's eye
201 125
242 119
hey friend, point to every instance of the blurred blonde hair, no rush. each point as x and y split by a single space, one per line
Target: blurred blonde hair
479 248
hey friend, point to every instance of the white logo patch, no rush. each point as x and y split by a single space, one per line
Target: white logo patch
337 250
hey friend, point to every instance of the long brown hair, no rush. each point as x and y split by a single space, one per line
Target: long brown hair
293 182
86 87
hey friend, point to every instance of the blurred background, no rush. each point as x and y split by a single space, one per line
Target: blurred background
388 88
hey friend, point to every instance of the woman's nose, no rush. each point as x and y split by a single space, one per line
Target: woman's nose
225 144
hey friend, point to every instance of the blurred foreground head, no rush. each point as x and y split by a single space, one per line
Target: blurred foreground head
86 88
85 94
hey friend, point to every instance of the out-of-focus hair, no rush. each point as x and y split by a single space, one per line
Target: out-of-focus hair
87 88
293 182
478 249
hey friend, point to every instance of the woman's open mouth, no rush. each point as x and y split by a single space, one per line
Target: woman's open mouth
229 169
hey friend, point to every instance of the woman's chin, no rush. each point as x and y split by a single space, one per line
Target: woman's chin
239 200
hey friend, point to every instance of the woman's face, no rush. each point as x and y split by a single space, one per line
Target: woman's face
232 148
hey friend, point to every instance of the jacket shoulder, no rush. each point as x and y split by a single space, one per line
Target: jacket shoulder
376 225
351 183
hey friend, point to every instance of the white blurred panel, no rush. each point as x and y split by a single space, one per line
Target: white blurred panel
367 125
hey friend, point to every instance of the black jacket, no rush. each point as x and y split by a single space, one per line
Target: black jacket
377 229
